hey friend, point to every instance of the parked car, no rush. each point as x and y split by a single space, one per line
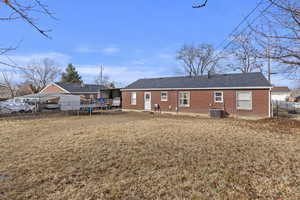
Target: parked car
10 107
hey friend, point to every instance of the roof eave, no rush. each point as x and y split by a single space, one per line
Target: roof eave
210 88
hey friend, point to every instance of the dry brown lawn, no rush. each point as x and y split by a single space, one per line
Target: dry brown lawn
139 156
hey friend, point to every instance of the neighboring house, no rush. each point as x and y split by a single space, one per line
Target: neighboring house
280 93
245 94
295 96
86 91
4 92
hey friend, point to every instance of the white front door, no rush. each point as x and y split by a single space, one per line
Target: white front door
147 100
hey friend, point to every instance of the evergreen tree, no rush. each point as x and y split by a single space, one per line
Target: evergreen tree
71 75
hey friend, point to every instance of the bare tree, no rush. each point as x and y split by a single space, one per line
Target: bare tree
25 10
198 59
24 88
102 80
105 80
244 54
284 48
40 74
28 11
7 80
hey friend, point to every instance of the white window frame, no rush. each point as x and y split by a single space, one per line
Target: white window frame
133 100
188 98
222 97
237 100
161 99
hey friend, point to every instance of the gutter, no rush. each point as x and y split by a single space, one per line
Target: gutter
212 88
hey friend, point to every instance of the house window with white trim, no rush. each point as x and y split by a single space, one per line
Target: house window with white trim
218 97
244 100
184 99
133 98
164 96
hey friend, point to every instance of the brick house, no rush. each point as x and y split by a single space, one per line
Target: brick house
245 94
86 91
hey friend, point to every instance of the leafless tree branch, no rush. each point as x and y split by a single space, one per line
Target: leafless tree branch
198 59
245 54
22 10
7 81
283 41
201 5
40 73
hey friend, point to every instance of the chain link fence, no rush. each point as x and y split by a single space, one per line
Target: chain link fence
284 108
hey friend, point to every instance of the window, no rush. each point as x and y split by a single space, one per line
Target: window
133 98
218 97
244 100
184 99
164 96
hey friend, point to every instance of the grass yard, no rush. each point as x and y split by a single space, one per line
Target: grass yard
138 156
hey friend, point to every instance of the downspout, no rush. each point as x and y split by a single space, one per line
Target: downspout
177 107
270 105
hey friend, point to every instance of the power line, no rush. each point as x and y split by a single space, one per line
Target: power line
242 22
252 22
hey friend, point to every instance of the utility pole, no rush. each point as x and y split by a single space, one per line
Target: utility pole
269 64
268 51
101 74
101 80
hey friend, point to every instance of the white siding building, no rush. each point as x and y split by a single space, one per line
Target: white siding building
280 93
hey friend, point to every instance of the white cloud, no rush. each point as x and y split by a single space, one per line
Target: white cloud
91 49
138 62
25 59
119 74
110 50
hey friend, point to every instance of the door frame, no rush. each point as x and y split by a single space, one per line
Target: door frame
149 100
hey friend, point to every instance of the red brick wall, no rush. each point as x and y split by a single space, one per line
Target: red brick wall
202 100
53 89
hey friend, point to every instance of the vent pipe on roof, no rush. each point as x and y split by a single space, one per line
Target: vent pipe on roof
209 74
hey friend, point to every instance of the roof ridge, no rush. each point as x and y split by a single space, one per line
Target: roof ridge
200 76
76 83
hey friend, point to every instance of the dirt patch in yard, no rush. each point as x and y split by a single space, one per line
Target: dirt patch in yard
142 156
276 125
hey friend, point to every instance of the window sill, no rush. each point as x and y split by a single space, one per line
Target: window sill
181 106
245 109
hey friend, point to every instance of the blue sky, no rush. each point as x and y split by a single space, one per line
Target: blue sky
132 39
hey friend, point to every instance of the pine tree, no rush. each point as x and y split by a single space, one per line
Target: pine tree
71 75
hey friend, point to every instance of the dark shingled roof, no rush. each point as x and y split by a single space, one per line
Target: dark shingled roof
280 89
81 88
214 81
